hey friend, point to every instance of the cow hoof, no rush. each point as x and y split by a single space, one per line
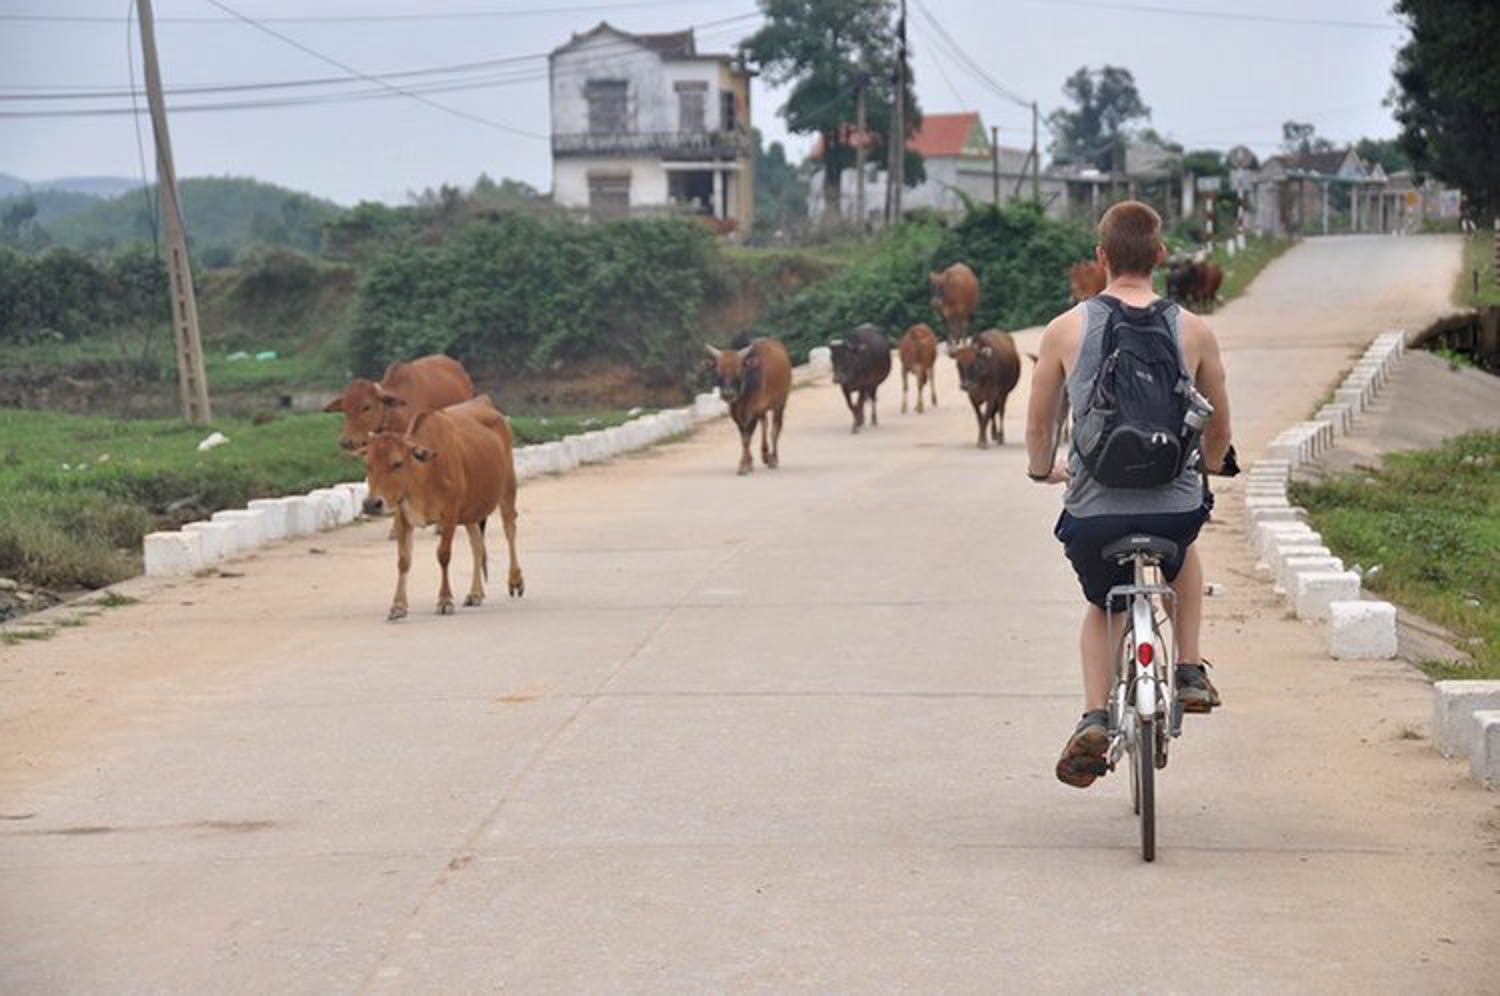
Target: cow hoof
397 612
517 588
445 608
773 462
473 600
984 444
744 470
854 430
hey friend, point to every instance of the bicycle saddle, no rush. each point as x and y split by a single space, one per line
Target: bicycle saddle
1155 548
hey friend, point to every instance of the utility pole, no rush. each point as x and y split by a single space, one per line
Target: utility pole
898 122
995 162
1036 159
859 152
191 381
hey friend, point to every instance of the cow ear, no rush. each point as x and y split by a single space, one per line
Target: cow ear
336 405
752 359
422 454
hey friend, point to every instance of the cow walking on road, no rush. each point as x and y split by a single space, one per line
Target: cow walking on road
452 468
433 381
955 296
755 382
1194 284
918 350
988 369
861 363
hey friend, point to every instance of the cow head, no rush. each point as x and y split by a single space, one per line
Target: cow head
845 356
974 358
392 462
1179 281
366 407
736 372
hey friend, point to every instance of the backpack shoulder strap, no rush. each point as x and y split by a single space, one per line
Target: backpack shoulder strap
1111 332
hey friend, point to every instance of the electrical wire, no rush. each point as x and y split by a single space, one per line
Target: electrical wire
135 115
967 63
362 18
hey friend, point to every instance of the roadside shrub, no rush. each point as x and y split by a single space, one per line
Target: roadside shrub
532 292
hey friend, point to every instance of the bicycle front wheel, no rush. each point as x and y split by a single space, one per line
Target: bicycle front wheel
1144 768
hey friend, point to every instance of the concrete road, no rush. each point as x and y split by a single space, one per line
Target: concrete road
794 731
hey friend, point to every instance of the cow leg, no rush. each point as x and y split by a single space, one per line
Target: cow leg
874 415
904 372
444 555
778 418
921 383
516 584
403 565
997 420
481 564
765 439
747 433
983 424
932 383
856 402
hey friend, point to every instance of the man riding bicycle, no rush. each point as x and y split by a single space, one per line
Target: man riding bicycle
1071 358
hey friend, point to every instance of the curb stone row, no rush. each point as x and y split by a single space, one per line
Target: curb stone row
1466 714
234 532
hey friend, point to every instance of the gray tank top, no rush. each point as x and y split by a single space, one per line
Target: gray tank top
1085 496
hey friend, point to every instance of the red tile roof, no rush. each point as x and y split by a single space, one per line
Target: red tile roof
940 135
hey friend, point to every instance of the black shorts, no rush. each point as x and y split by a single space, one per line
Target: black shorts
1084 538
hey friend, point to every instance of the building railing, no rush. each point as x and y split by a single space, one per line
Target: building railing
680 144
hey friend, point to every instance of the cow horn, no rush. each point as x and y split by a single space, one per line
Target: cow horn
745 353
835 342
712 351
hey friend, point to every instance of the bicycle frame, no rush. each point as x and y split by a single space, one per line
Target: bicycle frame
1144 685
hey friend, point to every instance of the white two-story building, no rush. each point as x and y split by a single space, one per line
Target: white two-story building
645 122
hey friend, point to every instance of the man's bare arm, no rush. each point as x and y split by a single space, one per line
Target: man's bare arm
1211 380
1046 394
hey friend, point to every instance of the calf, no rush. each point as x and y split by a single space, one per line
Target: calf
861 363
988 368
918 350
406 388
1087 279
755 381
955 296
451 468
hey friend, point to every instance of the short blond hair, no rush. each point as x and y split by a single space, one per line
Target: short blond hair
1130 235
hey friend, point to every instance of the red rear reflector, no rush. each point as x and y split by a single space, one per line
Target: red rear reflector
1144 653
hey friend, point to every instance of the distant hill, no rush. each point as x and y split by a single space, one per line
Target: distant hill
224 214
92 186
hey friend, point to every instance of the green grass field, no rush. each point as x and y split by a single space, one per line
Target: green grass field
1479 254
79 491
1428 520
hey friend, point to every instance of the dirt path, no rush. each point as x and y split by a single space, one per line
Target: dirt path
792 731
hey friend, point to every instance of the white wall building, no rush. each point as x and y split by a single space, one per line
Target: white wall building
645 122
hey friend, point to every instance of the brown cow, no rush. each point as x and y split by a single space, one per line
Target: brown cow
451 468
433 381
955 295
1194 284
1087 279
755 382
988 369
918 350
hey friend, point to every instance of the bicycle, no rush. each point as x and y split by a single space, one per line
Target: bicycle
1144 714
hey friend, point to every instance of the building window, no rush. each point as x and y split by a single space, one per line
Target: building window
609 194
727 109
692 112
608 113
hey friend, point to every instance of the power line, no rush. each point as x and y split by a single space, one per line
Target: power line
1227 15
965 62
467 116
135 115
361 18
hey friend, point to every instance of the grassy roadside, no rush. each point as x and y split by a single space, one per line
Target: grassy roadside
1479 254
79 491
1428 520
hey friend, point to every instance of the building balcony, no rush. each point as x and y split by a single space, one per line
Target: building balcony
667 144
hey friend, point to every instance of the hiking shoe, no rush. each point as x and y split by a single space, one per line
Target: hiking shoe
1083 759
1194 690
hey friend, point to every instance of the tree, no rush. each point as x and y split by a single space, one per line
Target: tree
1094 132
780 191
1447 97
1300 138
827 50
1385 151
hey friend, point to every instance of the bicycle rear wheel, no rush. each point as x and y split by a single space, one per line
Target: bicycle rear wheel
1143 764
1132 751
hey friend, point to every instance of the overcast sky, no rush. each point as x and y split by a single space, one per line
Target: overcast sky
1213 73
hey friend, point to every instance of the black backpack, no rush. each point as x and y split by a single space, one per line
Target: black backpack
1131 431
